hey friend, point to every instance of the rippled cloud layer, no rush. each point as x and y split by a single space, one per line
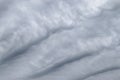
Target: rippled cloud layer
59 40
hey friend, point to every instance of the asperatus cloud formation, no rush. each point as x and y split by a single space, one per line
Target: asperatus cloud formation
59 39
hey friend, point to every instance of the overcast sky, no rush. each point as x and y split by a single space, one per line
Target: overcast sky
59 39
